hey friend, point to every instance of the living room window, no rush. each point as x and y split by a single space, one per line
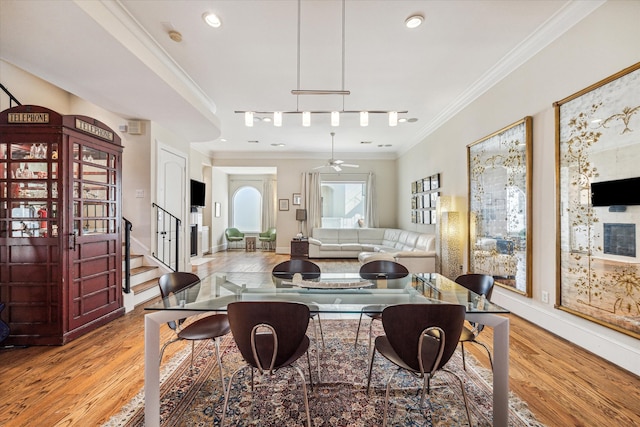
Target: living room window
247 208
343 203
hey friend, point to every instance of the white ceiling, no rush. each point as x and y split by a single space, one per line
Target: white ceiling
118 55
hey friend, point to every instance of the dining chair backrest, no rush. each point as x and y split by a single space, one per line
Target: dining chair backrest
481 284
287 322
308 269
404 324
180 285
389 269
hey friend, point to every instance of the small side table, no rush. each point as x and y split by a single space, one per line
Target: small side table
299 248
250 244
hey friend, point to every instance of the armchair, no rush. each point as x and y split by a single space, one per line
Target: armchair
267 238
233 235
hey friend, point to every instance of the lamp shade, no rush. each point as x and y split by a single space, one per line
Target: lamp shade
301 214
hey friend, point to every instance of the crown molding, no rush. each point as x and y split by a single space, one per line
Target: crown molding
122 26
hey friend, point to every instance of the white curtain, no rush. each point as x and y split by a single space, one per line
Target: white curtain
268 204
371 214
312 201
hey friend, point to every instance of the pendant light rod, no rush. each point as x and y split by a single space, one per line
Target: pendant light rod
299 91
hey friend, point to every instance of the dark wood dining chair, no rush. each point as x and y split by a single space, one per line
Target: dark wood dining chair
308 270
270 335
420 339
376 270
481 284
183 286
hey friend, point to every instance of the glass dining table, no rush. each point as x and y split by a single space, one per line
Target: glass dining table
337 293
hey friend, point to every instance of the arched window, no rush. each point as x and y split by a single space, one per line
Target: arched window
247 209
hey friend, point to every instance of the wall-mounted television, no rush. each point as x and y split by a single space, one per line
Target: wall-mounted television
198 192
622 192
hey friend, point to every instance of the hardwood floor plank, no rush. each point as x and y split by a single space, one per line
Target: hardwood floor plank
88 380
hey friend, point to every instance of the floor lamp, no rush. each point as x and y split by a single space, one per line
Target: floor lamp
451 226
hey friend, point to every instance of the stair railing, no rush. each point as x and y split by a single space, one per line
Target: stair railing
12 99
128 226
167 238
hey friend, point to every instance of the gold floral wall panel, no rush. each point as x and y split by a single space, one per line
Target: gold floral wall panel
499 206
598 145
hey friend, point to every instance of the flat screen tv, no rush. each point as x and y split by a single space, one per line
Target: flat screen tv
621 192
198 191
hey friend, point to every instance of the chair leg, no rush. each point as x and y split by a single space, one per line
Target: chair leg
315 336
370 333
310 377
219 359
373 355
304 391
228 391
464 362
321 333
488 352
358 331
386 398
464 394
165 346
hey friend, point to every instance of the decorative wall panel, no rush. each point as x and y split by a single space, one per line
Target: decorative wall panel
598 140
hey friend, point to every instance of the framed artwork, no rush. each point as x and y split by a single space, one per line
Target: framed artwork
426 184
216 207
283 204
296 199
597 154
499 168
435 181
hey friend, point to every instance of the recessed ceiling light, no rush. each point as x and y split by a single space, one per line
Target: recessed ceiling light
402 120
278 144
253 141
266 119
412 120
223 140
365 142
212 19
414 21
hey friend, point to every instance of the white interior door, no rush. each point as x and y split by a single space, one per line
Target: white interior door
172 184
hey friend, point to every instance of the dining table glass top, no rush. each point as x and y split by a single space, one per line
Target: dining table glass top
329 293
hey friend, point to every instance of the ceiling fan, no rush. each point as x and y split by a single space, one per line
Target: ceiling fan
337 165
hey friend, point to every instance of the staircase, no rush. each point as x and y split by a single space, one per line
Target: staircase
144 282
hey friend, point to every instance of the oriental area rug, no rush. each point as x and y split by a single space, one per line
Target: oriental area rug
194 396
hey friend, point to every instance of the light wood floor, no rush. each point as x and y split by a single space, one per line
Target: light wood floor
88 380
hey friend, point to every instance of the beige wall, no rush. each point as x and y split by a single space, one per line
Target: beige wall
599 46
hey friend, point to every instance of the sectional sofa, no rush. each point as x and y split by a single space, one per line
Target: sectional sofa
416 251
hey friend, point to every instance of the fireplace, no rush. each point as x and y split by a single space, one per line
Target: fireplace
620 239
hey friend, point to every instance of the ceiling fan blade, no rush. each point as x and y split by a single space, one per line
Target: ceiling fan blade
347 165
337 162
337 168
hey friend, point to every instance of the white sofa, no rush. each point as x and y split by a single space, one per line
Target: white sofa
416 251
